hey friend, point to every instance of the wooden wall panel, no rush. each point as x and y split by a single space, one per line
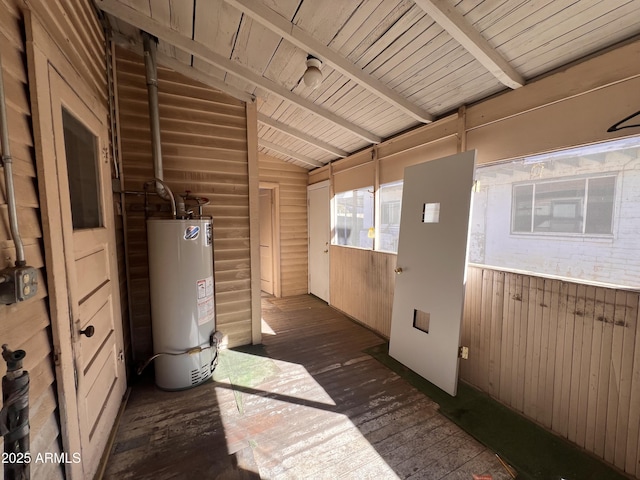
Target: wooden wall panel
74 25
204 145
362 286
566 355
292 181
574 371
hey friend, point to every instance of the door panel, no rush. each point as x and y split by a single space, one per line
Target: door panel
431 263
266 240
81 146
319 238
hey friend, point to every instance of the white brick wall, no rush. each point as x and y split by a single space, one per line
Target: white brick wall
611 259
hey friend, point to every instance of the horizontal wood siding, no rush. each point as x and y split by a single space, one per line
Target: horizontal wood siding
564 354
292 181
75 27
204 145
118 209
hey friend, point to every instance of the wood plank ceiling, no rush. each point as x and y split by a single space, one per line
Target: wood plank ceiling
388 65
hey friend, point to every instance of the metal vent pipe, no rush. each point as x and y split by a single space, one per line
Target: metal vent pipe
151 68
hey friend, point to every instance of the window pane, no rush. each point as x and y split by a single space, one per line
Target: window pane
522 208
584 205
353 217
390 208
82 170
600 205
559 206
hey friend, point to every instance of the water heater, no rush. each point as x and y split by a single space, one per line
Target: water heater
182 301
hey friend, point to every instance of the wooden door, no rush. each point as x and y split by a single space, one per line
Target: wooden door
319 238
432 258
80 136
266 240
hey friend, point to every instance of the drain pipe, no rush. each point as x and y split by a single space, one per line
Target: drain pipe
7 161
151 69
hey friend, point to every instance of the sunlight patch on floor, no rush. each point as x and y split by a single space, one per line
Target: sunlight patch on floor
290 422
266 329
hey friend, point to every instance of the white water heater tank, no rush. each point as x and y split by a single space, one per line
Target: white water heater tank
182 301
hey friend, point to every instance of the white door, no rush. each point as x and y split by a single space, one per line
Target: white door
431 264
266 240
84 180
319 215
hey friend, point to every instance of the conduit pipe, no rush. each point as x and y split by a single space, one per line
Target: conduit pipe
151 70
160 184
7 161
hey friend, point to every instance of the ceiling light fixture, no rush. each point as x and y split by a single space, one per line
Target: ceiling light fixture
312 76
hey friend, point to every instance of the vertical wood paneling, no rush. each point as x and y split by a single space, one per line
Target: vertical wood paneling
357 276
293 221
606 357
564 354
583 369
204 145
552 300
632 457
571 359
626 373
497 304
576 359
598 328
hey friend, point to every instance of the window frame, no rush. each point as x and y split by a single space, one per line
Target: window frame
334 214
379 225
584 199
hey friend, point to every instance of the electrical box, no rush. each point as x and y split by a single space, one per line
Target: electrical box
18 284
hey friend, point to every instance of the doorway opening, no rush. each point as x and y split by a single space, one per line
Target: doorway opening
270 239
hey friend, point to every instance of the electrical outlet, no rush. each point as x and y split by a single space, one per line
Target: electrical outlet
18 284
463 353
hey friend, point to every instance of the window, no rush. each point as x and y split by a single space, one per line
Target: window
82 170
570 214
390 196
576 206
353 218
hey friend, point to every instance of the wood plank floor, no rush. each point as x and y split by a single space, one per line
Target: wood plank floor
308 403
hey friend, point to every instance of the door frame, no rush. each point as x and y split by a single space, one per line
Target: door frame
43 53
275 235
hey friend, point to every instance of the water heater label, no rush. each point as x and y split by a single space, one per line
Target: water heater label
191 232
205 300
209 236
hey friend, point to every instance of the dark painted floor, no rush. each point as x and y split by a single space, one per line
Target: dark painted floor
308 403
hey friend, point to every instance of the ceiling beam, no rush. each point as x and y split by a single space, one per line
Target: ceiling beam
467 36
177 66
301 39
290 153
197 49
293 132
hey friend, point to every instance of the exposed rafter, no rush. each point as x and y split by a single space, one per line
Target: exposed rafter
293 132
197 49
290 153
190 72
301 39
467 36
